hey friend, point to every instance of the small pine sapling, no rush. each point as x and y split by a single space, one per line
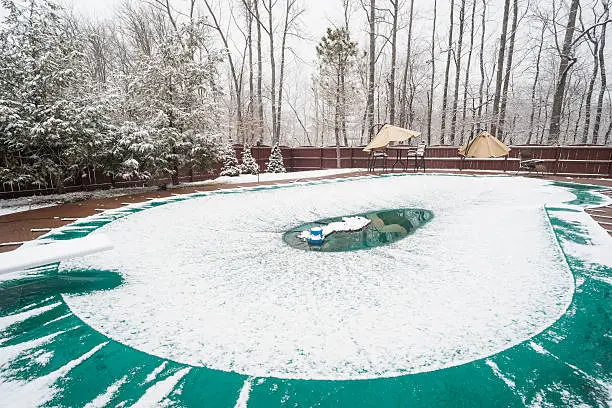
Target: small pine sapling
230 162
275 162
249 165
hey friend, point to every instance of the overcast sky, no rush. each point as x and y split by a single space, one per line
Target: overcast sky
318 15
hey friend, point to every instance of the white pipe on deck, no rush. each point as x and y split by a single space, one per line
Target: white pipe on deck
31 256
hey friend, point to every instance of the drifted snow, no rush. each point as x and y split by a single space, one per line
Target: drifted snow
267 177
210 282
347 224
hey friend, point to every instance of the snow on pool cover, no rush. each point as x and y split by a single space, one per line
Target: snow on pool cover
210 282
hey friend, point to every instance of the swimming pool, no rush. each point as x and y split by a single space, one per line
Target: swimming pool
202 300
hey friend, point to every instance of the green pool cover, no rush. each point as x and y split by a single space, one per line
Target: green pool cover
49 357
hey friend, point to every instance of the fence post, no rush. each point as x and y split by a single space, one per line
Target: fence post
557 160
321 161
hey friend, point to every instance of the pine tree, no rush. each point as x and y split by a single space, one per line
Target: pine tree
230 162
49 125
336 53
249 165
275 162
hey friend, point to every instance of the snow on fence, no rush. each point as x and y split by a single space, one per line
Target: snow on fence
590 161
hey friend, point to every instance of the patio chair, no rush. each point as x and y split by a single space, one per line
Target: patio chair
529 164
377 154
418 156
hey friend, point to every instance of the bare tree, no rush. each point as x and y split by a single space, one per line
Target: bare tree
467 75
457 72
235 74
371 68
404 122
260 116
602 73
433 73
535 81
394 17
504 96
446 72
482 66
500 67
566 63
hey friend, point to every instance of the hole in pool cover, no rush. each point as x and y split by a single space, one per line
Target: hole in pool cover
383 227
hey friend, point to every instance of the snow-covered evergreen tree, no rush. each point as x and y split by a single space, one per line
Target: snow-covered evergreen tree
49 123
230 162
275 162
172 94
249 165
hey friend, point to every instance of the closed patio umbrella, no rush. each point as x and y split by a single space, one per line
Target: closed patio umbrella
485 145
388 134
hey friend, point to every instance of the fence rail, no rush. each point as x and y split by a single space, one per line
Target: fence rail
583 161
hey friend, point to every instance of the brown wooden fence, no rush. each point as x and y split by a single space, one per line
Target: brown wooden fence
584 161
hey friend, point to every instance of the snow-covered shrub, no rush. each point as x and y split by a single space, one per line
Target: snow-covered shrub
229 160
249 165
275 162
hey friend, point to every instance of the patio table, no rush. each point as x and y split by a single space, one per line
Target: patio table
398 155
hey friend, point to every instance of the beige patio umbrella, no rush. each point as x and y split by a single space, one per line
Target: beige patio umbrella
485 145
388 134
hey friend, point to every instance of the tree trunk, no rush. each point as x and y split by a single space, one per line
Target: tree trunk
395 4
564 66
535 83
589 95
281 80
403 97
603 84
337 120
343 104
275 136
467 74
457 73
251 77
433 73
448 61
59 183
500 67
575 136
504 96
482 70
235 78
370 102
259 75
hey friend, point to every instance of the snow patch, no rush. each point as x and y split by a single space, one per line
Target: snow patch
511 384
347 224
155 394
104 399
245 391
7 321
38 391
153 375
267 177
453 292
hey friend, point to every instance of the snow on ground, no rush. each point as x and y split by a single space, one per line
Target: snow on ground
13 205
263 177
4 210
210 282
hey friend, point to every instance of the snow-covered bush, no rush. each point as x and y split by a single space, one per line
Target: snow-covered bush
275 162
230 162
249 165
